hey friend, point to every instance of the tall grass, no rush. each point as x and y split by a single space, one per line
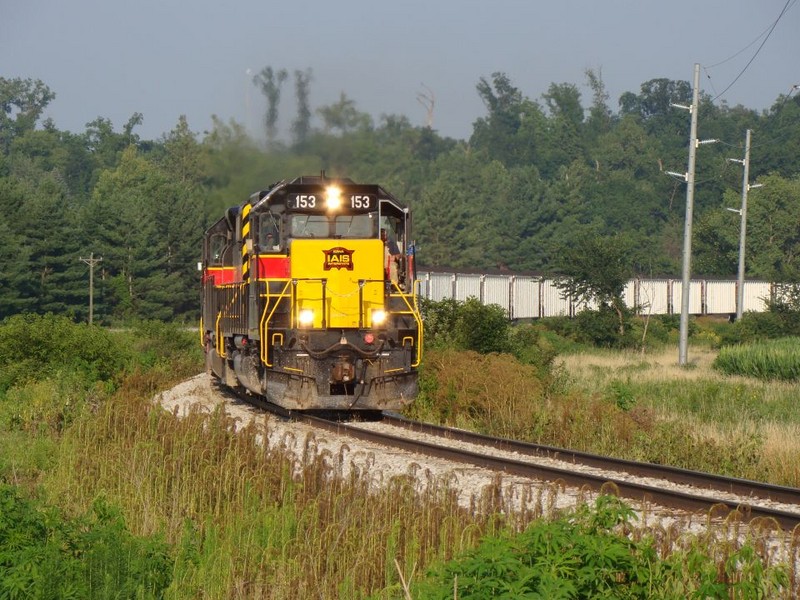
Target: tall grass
773 359
630 405
247 520
733 425
251 521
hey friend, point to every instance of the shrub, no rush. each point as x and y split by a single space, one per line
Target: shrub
491 393
655 333
584 555
440 320
468 325
482 328
43 555
531 348
754 327
167 345
34 347
601 328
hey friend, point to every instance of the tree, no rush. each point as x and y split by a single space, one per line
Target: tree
185 159
271 82
773 236
302 123
497 132
564 133
22 102
106 145
343 116
596 269
129 220
14 249
600 116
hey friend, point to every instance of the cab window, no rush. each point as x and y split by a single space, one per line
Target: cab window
217 249
355 226
310 226
269 233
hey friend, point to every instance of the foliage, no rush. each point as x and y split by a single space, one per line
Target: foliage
601 327
531 347
36 347
583 555
775 359
595 270
781 320
242 520
53 369
43 555
469 325
440 320
492 393
537 179
482 328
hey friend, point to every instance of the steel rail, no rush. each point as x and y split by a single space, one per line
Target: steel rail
640 492
720 483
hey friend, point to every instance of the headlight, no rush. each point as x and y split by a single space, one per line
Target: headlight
378 317
333 197
306 317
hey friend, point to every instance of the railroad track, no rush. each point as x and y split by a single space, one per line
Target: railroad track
652 484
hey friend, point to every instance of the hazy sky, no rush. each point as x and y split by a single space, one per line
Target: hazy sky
165 58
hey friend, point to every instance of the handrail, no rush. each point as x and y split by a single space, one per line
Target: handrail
263 325
414 310
290 286
218 334
236 288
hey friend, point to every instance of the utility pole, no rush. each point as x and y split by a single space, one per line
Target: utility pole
91 261
743 227
683 346
688 177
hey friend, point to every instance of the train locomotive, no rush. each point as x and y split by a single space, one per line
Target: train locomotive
309 297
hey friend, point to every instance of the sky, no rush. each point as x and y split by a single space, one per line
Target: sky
167 58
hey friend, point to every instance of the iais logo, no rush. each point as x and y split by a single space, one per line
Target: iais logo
338 258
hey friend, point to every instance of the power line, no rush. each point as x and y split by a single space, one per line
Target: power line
771 29
731 57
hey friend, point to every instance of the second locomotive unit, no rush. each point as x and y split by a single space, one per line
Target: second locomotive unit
310 299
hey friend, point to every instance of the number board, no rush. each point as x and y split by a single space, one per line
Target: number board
316 202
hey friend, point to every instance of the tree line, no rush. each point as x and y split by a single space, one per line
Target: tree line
539 186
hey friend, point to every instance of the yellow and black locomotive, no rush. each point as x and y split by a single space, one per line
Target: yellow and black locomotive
310 298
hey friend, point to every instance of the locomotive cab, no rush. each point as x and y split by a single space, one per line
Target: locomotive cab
305 304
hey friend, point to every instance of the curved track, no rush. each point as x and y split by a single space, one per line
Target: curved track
644 482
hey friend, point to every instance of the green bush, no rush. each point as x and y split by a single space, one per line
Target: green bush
440 320
43 555
562 326
583 556
655 334
169 345
34 347
482 328
753 327
531 347
601 328
468 325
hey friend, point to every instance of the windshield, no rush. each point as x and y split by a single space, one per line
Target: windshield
340 226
